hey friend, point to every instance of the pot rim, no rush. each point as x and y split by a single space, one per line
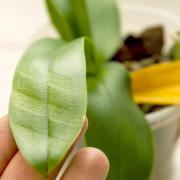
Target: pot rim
164 116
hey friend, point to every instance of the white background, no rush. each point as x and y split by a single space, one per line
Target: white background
19 22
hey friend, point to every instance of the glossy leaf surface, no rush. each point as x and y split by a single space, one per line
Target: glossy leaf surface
117 126
48 102
98 19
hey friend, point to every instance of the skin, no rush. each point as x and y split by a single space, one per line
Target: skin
88 163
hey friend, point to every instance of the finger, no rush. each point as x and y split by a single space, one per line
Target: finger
19 169
7 144
88 164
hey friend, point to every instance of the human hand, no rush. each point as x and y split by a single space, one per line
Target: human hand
87 164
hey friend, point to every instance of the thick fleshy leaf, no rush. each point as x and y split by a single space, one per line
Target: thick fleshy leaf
117 126
175 51
48 102
98 19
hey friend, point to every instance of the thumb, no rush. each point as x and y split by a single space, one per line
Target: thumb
89 164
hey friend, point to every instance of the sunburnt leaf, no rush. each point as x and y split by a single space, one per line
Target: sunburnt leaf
117 126
98 19
48 102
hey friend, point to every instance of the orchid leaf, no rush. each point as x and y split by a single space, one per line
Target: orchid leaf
48 102
117 126
175 51
98 19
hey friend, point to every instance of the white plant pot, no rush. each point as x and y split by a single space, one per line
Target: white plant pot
165 125
164 122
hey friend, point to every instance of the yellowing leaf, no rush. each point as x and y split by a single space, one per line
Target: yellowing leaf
157 84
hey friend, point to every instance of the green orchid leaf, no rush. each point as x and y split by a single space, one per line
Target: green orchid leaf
98 19
117 126
48 101
175 51
61 16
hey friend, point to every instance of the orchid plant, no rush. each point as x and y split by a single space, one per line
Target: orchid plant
60 81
